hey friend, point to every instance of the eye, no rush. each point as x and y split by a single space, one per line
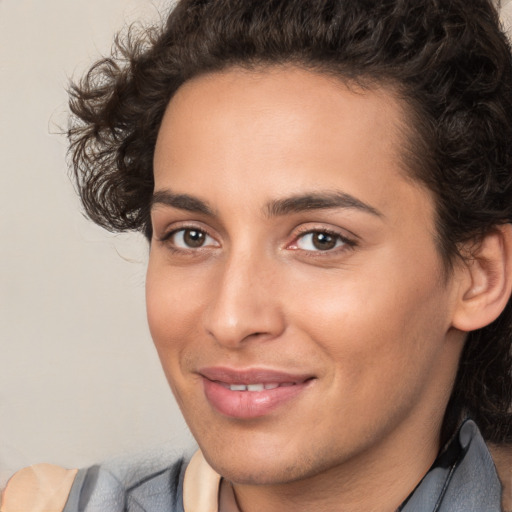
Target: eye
321 241
190 238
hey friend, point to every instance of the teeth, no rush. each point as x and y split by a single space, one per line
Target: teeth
256 387
238 387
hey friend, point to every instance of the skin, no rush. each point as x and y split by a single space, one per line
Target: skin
370 319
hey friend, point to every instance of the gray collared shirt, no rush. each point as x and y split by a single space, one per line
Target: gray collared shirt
462 479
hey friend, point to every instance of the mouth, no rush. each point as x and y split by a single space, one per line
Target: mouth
251 393
255 387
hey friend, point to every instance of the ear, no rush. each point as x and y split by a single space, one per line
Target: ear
485 281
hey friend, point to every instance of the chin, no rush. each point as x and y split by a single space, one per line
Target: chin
267 462
259 472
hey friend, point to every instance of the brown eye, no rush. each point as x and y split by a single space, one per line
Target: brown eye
191 239
319 241
323 241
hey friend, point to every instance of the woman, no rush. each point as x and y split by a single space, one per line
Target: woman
326 190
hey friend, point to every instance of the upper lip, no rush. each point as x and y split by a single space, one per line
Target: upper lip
251 375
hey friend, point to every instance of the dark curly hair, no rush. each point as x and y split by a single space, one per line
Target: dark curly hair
450 63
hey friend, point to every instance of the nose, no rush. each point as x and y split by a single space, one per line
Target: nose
244 304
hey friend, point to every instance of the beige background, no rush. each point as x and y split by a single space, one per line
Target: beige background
79 379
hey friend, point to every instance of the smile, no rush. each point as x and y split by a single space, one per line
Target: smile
255 387
252 393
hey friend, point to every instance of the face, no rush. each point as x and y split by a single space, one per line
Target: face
294 291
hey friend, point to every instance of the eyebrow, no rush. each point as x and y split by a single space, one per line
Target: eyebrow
318 201
276 208
181 201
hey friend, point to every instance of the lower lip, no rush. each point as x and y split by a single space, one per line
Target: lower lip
250 404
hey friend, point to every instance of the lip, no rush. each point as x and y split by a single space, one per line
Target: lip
251 404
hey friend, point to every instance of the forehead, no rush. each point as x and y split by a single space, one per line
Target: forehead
281 130
283 106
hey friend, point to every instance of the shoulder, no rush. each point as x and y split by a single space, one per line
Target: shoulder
502 455
464 478
148 482
39 487
130 484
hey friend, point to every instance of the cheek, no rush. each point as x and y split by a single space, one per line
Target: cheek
382 355
170 312
171 319
382 320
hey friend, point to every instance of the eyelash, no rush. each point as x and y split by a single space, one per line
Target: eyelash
166 239
347 243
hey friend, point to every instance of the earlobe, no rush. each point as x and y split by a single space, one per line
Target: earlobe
486 281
